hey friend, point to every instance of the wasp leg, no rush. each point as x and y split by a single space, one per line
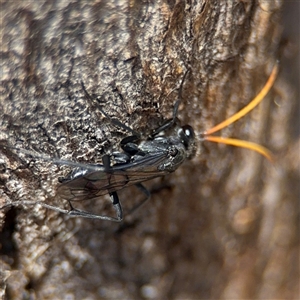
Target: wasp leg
128 144
146 192
85 214
130 147
169 123
73 212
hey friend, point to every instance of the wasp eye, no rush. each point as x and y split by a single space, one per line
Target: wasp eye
187 135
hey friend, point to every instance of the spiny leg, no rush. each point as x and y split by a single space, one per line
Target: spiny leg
84 214
73 212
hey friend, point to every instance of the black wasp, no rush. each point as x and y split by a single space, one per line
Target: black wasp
141 160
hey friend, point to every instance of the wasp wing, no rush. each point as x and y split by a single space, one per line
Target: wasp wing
94 184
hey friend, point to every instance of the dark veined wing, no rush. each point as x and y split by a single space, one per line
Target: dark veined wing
98 183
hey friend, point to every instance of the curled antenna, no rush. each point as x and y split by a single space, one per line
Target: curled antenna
253 103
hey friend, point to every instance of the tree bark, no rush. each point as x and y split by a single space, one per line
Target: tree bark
226 226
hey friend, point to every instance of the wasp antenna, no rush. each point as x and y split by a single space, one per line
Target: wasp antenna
243 144
261 95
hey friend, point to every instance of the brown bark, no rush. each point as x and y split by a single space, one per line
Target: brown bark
226 228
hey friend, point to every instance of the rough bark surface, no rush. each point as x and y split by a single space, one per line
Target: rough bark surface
227 225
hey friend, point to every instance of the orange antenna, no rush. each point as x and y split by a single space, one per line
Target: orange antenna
240 143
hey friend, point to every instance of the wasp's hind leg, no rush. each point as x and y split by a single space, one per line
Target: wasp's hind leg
74 212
